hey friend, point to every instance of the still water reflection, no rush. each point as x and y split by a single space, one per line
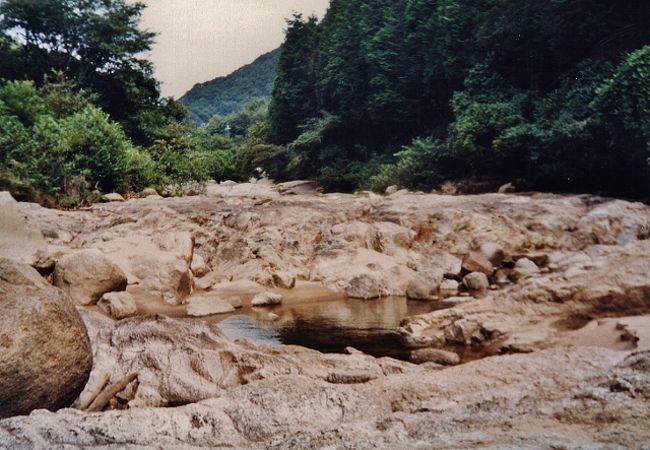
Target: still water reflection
369 326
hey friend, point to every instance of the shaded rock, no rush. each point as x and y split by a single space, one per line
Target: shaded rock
494 253
113 197
476 282
119 305
18 240
267 299
449 288
507 188
199 267
284 281
364 287
434 355
207 305
45 354
477 262
524 268
86 275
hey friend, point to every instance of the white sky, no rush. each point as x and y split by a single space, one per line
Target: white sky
199 40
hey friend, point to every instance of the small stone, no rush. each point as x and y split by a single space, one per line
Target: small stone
524 268
477 262
113 197
273 316
449 288
434 355
118 305
420 289
506 188
235 302
199 267
476 282
267 299
148 192
494 253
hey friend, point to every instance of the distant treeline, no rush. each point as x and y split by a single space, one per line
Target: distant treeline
546 94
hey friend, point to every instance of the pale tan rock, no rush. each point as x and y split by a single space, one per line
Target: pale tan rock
524 268
449 288
284 281
119 305
434 355
113 197
421 289
476 282
45 354
19 240
202 305
86 275
493 252
149 192
477 262
365 287
267 299
199 267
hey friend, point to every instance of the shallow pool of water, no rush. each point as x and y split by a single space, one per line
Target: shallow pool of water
329 326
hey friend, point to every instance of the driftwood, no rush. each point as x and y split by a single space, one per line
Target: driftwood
91 392
109 392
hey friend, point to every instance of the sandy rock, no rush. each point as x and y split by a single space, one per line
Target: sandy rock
113 197
493 252
202 305
199 267
284 281
428 355
45 355
449 288
267 299
18 239
476 282
86 275
235 302
119 305
477 262
365 287
420 288
524 268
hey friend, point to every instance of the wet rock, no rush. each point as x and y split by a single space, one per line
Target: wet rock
18 239
86 275
202 305
433 355
119 305
365 287
476 282
45 355
524 268
267 299
477 262
449 288
113 197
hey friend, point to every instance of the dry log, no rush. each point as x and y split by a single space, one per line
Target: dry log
109 392
91 392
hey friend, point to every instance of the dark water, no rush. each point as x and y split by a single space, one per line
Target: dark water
330 326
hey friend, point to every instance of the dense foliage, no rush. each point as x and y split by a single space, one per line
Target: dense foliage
81 114
550 95
226 95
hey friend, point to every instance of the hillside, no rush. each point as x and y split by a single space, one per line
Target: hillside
225 95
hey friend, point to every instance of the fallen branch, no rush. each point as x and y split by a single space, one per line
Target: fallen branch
91 392
111 391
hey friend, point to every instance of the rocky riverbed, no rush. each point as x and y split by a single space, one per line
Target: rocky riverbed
547 296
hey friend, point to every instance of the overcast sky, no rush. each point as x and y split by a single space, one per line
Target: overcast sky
199 40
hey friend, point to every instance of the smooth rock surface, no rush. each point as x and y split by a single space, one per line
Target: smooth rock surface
86 275
267 299
202 305
45 354
118 305
18 240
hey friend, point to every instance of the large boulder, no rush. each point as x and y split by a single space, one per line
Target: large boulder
87 275
17 240
45 354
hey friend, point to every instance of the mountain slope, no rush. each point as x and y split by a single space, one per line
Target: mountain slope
227 94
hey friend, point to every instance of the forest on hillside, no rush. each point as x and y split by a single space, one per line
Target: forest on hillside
548 95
